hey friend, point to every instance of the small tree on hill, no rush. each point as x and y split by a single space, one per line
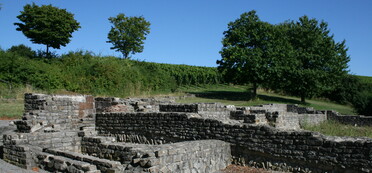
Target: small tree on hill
127 34
47 25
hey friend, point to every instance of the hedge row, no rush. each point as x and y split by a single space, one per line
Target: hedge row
83 72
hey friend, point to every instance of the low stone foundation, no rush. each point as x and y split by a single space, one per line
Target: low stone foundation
304 149
109 135
355 120
189 156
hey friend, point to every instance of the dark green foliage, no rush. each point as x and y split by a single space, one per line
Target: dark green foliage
365 79
18 70
363 103
82 72
346 90
246 53
319 61
298 58
23 50
127 34
188 75
47 25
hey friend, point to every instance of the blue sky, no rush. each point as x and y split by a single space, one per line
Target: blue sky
190 32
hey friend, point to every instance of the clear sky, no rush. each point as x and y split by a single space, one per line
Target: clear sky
190 32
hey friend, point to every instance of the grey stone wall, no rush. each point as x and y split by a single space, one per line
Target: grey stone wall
49 121
58 112
112 104
191 156
139 135
205 110
301 149
276 115
17 146
357 120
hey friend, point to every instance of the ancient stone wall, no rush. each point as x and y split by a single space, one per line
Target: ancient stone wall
112 104
17 146
137 135
205 110
282 116
298 149
191 156
58 112
49 121
357 120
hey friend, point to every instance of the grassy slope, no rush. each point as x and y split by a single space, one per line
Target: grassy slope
11 108
333 128
238 95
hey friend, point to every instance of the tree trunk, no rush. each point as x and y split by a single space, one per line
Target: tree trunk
254 91
47 51
303 98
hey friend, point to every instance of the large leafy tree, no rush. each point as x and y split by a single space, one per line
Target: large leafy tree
127 34
318 61
47 25
247 51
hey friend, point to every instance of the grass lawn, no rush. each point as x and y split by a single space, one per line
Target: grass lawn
333 128
238 95
11 109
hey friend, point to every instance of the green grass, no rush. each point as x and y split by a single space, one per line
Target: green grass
333 128
11 109
238 95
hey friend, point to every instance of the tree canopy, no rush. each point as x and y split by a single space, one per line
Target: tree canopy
300 58
127 34
47 25
319 61
246 50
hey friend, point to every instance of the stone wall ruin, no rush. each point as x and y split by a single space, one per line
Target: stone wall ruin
61 133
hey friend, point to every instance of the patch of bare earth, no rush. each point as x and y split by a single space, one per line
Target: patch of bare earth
243 169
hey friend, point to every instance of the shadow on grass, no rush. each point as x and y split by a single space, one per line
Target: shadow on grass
242 96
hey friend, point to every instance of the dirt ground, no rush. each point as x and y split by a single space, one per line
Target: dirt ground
242 169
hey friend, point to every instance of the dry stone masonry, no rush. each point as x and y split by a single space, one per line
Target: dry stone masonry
60 133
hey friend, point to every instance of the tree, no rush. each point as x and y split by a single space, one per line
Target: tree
319 61
246 52
47 25
346 90
127 34
23 50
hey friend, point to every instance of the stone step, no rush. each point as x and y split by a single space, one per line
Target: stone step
50 162
103 165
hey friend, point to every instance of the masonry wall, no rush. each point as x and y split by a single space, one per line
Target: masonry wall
205 110
17 146
358 120
49 121
58 112
191 156
112 104
298 150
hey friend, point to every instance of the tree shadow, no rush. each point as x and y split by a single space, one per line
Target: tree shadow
278 99
242 96
224 95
